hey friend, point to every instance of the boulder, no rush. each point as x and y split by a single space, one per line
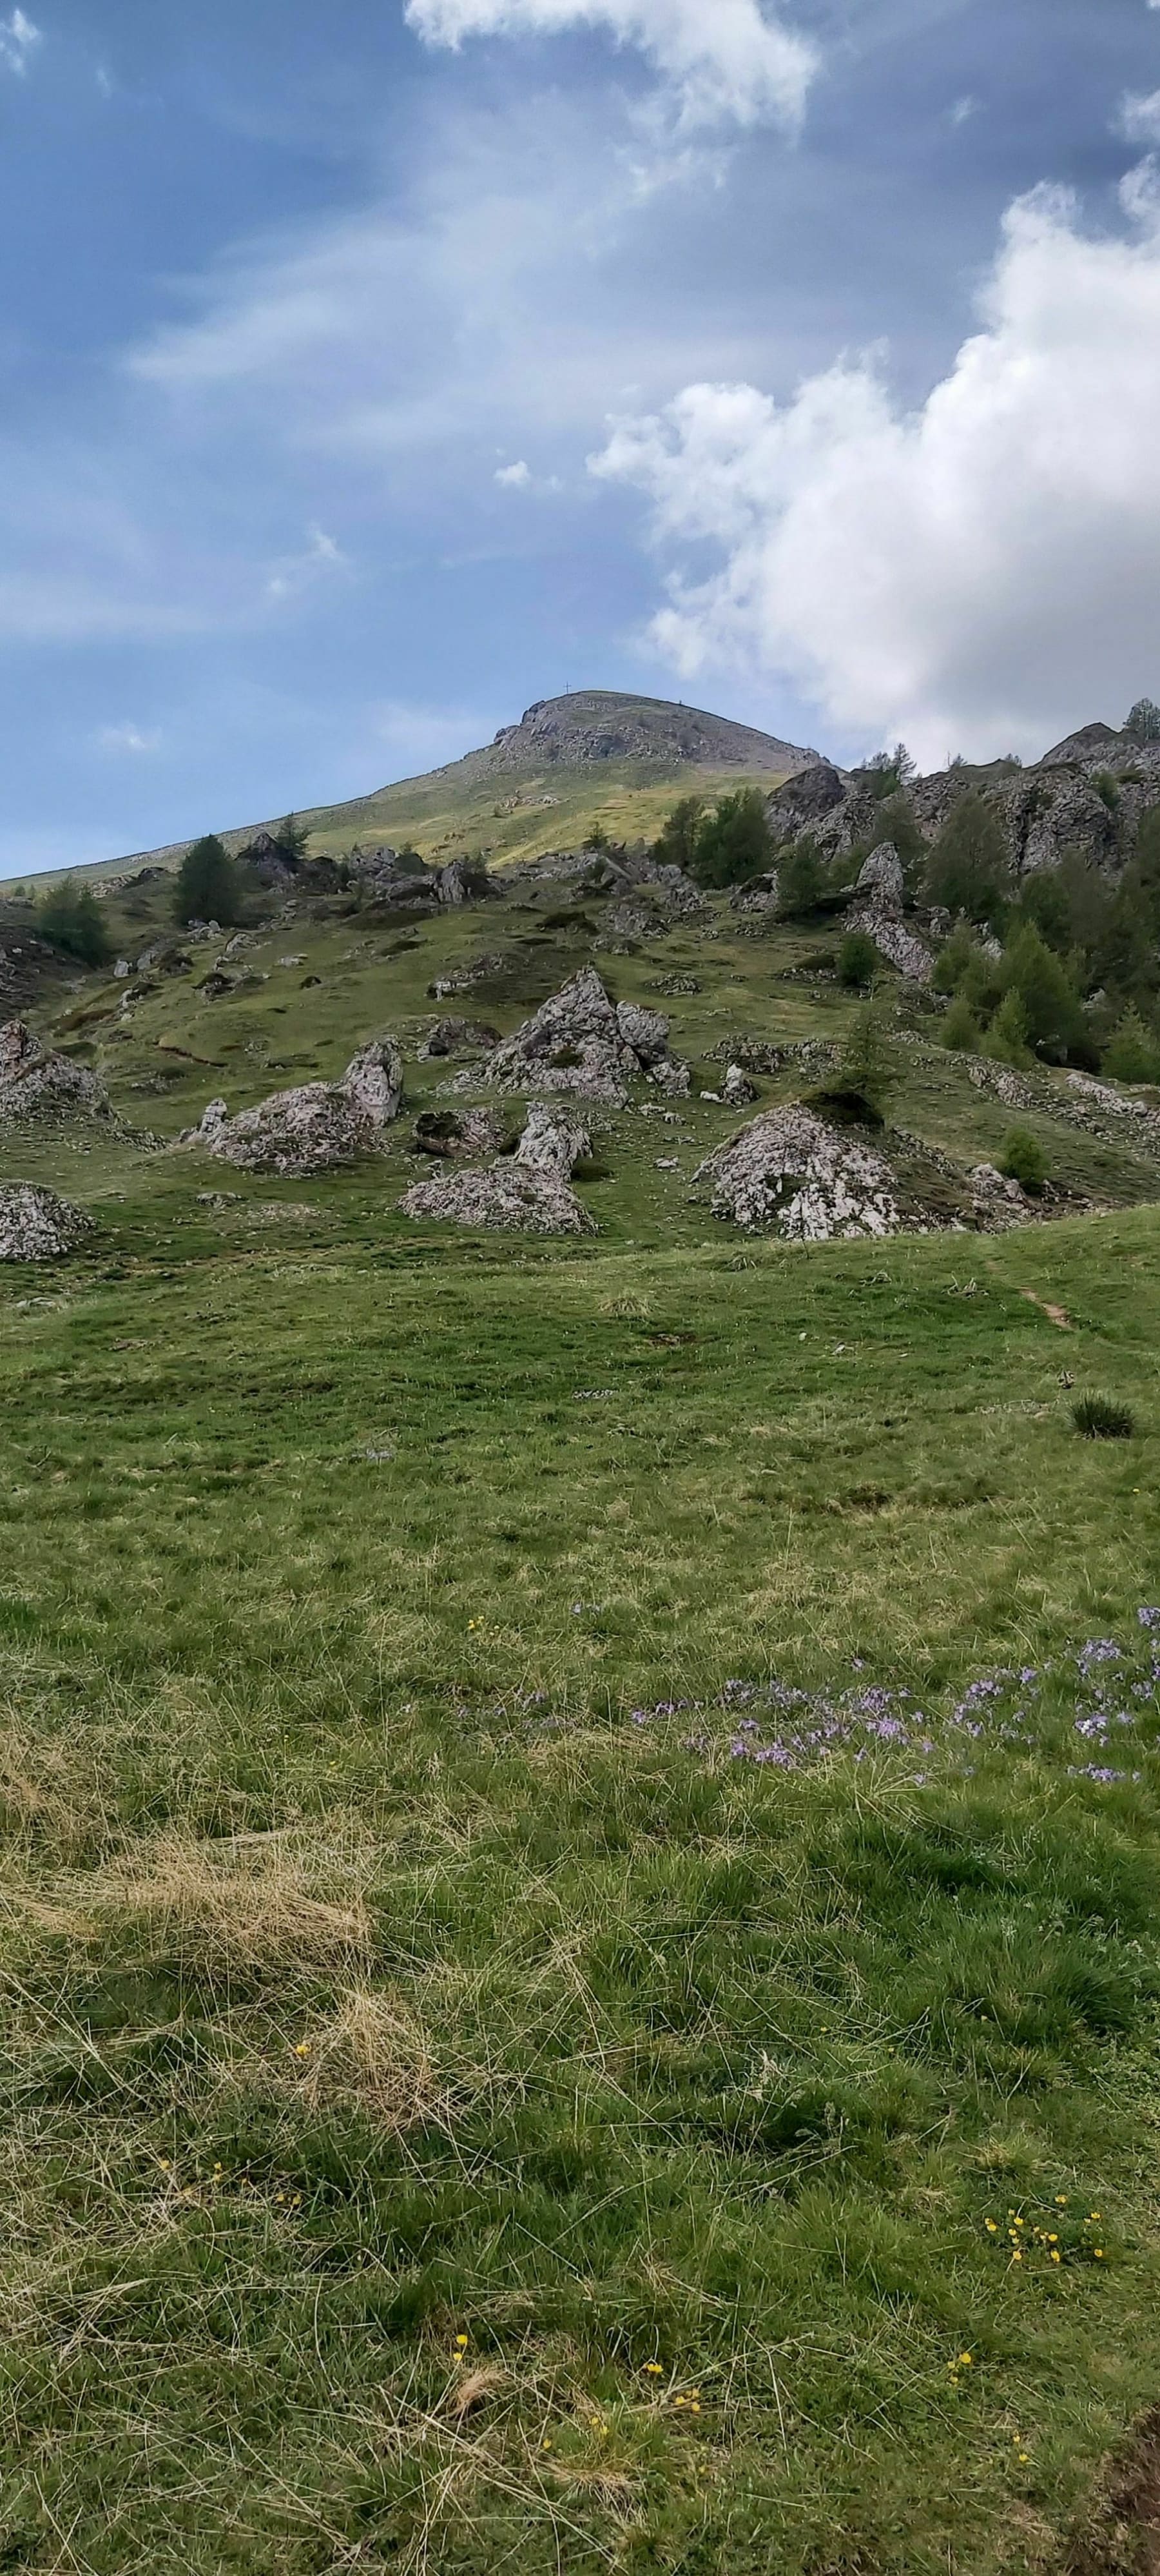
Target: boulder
737 1091
315 1127
877 910
507 1197
446 1134
452 1037
804 799
464 881
36 1225
881 882
574 1043
791 1170
552 1142
758 896
38 1084
646 1032
672 1077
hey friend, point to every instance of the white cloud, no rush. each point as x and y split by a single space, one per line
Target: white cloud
963 110
725 59
1139 117
516 478
294 573
18 41
127 737
981 573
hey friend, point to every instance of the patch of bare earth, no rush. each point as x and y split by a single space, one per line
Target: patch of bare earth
1122 2536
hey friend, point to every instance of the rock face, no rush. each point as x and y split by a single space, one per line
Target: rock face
37 1084
36 1225
789 1169
804 801
525 1193
592 726
877 909
579 1042
313 1128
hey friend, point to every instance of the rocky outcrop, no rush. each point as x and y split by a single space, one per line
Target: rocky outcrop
524 1193
464 881
36 1225
805 800
790 1170
579 1042
878 909
315 1127
450 1136
37 1084
737 1091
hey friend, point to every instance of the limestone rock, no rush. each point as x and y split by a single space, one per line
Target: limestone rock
672 1077
646 1032
737 1091
791 1170
36 1225
447 1134
880 881
573 1043
464 881
877 910
552 1142
315 1127
38 1084
452 1037
507 1197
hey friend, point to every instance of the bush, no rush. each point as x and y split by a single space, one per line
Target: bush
1107 789
1131 1054
1055 1024
1024 1161
1007 1035
960 1029
1097 1418
735 842
69 917
857 958
207 884
859 1089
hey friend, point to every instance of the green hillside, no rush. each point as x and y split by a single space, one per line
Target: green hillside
582 1817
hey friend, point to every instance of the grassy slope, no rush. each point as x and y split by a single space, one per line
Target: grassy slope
506 818
376 1979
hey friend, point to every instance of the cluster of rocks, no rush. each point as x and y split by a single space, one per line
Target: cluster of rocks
523 1193
36 1225
1088 794
582 1042
315 1127
454 1037
39 1084
402 880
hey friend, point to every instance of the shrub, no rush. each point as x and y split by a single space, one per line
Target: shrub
1107 789
860 1086
1024 1160
857 958
1097 1418
69 917
1007 1035
1055 1024
800 879
207 884
960 1029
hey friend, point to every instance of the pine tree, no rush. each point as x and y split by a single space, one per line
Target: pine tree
1053 1013
1007 1036
207 884
735 842
1131 1054
968 869
960 1029
70 918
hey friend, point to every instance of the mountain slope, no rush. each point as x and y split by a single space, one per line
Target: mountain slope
596 755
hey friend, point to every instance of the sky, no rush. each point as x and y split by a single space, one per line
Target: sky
370 372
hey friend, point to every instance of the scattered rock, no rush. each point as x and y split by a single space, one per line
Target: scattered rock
576 1043
759 897
991 1183
507 1197
552 1142
453 1037
315 1127
791 1170
38 1084
122 970
672 1077
877 910
464 881
738 1091
446 1134
36 1225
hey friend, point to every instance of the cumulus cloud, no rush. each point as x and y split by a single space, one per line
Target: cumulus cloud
18 41
982 573
726 60
294 573
1139 119
515 478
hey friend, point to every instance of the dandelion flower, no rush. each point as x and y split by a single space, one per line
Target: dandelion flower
1099 2253
461 2343
1057 2258
1061 2200
967 2360
653 2369
992 2227
1017 2256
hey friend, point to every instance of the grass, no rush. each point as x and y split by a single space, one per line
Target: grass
547 1985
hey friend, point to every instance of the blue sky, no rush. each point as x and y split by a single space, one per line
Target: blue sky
369 372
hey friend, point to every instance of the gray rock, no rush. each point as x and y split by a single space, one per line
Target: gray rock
451 1037
738 1091
813 1182
122 970
572 1044
880 880
507 1197
672 1077
552 1142
315 1127
646 1032
37 1084
877 910
464 881
447 1134
36 1225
